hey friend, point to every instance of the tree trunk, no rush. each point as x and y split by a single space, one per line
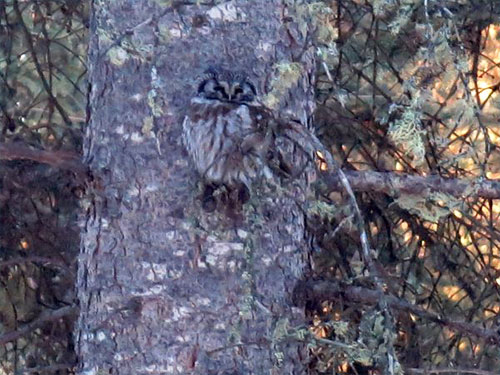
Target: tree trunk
165 287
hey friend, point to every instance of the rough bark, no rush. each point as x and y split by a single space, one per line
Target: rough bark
163 286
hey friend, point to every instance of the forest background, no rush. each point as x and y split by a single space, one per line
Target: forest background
407 102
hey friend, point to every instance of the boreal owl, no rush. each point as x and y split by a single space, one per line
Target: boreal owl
225 133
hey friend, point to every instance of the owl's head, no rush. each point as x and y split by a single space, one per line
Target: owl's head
227 87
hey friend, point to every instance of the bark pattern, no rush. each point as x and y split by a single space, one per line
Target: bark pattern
165 288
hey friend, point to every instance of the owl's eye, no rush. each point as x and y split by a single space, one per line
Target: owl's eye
221 91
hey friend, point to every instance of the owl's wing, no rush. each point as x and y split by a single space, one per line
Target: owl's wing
260 141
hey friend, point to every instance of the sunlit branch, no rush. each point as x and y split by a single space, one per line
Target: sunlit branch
390 183
319 290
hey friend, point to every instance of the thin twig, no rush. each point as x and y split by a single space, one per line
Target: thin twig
38 67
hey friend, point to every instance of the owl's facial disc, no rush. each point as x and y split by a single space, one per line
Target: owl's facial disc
213 89
227 87
222 90
242 92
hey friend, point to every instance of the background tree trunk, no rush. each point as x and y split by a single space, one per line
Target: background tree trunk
164 287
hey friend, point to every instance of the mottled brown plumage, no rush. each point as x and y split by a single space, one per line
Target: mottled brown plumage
226 135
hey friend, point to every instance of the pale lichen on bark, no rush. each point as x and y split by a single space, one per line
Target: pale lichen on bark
194 292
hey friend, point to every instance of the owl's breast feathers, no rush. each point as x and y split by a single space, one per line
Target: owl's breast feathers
227 141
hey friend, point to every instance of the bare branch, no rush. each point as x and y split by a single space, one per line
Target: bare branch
46 316
60 159
390 183
35 259
327 290
449 371
50 369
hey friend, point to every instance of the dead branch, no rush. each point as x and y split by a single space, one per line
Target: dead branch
50 369
34 259
66 160
317 290
362 181
396 184
457 370
46 316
